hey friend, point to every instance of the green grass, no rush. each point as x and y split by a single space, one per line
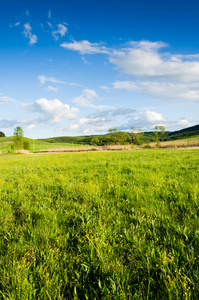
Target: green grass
192 138
100 225
36 145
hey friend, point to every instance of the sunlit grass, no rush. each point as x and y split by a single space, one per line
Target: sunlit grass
100 225
36 145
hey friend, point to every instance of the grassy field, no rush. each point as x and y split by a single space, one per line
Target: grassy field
35 145
103 225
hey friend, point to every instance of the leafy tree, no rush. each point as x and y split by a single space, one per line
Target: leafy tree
112 139
158 132
18 137
137 135
2 134
123 138
95 141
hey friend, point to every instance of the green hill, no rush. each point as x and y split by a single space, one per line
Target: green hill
103 139
147 137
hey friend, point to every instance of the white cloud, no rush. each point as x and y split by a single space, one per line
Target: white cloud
90 125
85 47
152 70
50 25
43 79
49 14
152 117
148 119
31 126
87 98
62 30
101 120
6 99
52 89
145 61
162 90
85 61
53 111
103 87
28 34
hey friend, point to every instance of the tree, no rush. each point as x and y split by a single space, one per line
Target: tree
18 137
95 141
158 132
137 134
112 138
2 134
112 130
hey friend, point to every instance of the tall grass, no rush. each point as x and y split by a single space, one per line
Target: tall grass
100 225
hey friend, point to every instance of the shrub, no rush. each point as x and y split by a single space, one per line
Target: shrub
147 147
26 145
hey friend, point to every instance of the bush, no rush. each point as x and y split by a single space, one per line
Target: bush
147 147
26 145
2 134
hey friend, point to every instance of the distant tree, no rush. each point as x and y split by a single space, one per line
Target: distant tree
158 132
2 134
112 138
112 130
137 135
18 137
123 138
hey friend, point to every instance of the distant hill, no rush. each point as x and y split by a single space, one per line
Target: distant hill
184 133
146 138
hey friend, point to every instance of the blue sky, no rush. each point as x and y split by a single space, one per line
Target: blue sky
83 67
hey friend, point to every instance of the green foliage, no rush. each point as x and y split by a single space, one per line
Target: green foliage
158 132
147 147
117 137
2 134
100 225
18 137
137 135
26 145
95 141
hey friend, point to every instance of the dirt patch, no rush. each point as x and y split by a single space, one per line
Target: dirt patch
97 148
22 151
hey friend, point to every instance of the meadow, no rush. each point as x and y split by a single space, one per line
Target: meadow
100 225
35 145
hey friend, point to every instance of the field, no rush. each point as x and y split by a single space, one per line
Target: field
36 145
100 225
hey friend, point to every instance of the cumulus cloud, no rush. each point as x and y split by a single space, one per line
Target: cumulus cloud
146 120
101 120
85 47
87 98
28 34
152 70
43 79
162 90
61 31
145 61
53 111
